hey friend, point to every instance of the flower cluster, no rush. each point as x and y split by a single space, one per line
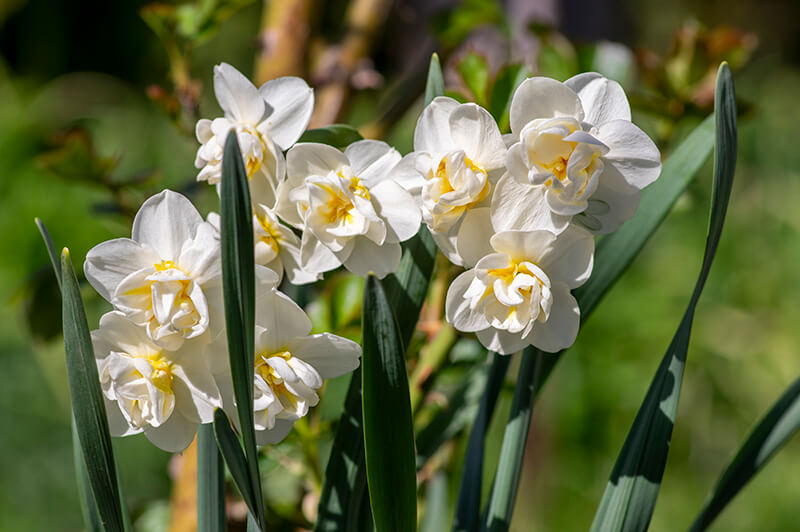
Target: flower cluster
519 212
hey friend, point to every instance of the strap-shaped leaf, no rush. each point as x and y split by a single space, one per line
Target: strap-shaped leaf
231 450
437 510
91 517
238 284
386 406
87 401
631 494
772 432
336 135
509 468
469 493
210 482
435 84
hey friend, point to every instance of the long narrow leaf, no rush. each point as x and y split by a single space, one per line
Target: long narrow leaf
435 517
772 432
87 402
435 84
238 283
210 482
386 406
631 494
91 517
509 468
469 493
231 451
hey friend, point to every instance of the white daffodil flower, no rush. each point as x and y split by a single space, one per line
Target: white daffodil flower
350 210
290 364
267 120
459 155
518 294
165 394
166 276
576 155
276 246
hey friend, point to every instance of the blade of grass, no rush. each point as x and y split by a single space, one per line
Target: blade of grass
210 482
91 517
630 497
435 84
238 283
231 451
87 402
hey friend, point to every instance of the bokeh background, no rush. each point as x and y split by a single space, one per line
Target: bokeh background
97 104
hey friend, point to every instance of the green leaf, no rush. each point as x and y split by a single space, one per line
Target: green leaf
435 84
238 284
87 402
435 517
51 250
631 494
772 432
210 482
474 71
509 468
91 517
336 135
506 82
345 301
469 493
231 451
386 405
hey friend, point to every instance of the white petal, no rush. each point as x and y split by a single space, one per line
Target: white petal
237 96
473 236
196 392
107 264
117 333
518 205
311 158
603 99
570 257
432 133
165 222
613 203
174 435
200 258
561 328
291 101
398 209
315 257
371 160
283 320
117 424
524 245
203 130
457 310
474 130
276 433
368 257
448 242
543 98
410 172
329 354
500 341
632 152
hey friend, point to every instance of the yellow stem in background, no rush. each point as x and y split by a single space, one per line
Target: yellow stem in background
183 517
283 39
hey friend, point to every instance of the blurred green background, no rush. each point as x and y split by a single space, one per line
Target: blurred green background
95 107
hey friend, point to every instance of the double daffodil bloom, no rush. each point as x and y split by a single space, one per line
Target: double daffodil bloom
166 276
164 394
576 154
267 120
350 211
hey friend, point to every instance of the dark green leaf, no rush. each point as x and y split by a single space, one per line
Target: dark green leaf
231 451
469 493
91 517
51 250
435 84
631 494
771 433
336 135
238 284
386 406
88 403
210 482
509 468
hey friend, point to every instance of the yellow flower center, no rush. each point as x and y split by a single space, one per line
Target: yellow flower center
275 381
161 374
272 237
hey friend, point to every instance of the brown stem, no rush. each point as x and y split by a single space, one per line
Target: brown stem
283 39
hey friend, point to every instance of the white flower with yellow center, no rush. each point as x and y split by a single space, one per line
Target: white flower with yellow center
577 155
165 394
290 365
276 246
267 121
350 210
459 155
518 293
166 275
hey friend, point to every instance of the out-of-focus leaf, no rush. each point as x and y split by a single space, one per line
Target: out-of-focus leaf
557 58
469 493
74 158
386 407
336 135
474 71
454 25
772 432
88 403
505 83
43 318
631 494
210 482
435 517
346 296
509 468
435 85
238 284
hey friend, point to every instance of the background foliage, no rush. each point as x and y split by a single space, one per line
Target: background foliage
89 100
